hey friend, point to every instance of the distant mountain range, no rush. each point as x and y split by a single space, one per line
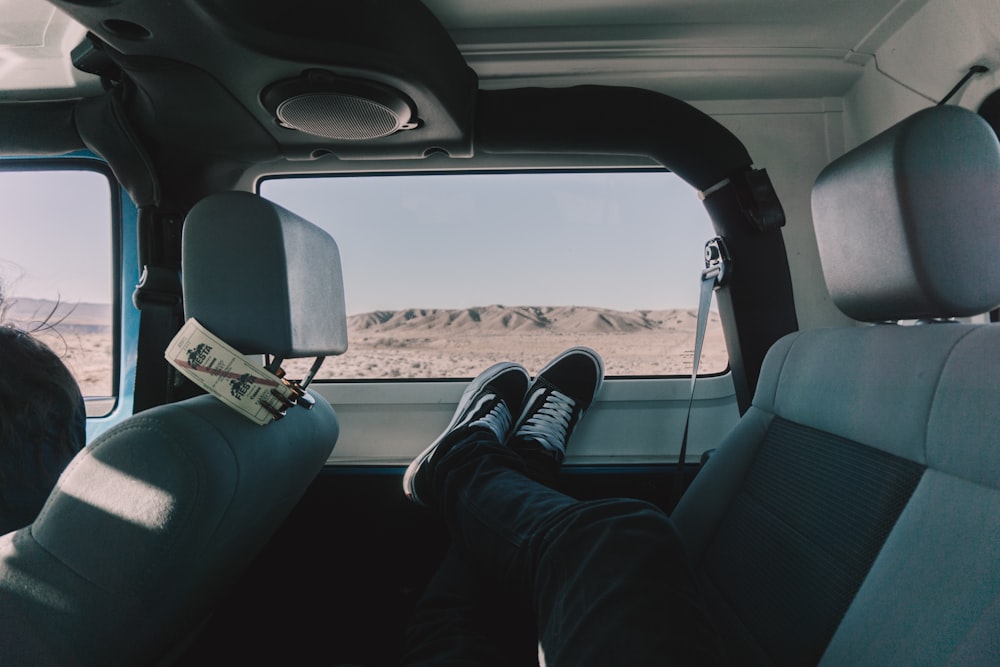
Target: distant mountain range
81 318
576 319
96 318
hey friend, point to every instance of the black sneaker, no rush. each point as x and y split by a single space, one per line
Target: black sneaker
555 402
486 403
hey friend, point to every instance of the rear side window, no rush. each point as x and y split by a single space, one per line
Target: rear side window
447 273
57 271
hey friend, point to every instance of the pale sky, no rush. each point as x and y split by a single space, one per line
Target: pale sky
622 241
56 233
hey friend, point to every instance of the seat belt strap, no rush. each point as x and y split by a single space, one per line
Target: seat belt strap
161 313
159 300
716 258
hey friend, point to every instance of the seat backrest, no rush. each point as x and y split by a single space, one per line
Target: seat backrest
152 521
853 515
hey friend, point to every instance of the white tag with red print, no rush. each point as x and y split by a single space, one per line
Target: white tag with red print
213 365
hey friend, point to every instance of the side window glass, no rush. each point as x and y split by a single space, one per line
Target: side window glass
57 269
447 273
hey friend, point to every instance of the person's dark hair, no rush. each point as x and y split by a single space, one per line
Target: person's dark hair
42 424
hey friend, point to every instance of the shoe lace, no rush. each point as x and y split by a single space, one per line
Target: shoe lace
498 418
549 425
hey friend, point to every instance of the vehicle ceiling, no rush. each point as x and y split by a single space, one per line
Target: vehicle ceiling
694 50
199 71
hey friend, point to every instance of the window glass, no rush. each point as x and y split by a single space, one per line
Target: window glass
56 267
447 273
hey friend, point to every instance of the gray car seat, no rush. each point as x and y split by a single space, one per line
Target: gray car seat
152 521
853 515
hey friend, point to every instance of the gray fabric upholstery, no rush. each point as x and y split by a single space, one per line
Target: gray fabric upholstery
263 279
907 223
898 422
152 521
938 577
149 525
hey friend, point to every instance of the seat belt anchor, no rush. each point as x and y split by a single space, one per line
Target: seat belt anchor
158 286
718 262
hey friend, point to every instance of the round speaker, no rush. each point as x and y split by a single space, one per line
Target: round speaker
338 108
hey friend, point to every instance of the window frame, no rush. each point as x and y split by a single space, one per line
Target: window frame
396 172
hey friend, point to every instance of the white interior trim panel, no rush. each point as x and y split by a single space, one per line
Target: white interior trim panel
635 421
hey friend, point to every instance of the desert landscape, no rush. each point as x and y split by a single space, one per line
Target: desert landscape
81 334
428 343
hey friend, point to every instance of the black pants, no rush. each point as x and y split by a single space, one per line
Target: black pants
606 582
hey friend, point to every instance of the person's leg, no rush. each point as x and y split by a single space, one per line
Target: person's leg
464 619
609 579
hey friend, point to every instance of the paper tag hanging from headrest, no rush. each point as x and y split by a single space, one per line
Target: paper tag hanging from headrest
213 365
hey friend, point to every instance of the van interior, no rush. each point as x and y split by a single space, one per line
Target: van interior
777 221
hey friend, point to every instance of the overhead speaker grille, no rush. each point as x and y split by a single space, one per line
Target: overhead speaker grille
342 109
339 116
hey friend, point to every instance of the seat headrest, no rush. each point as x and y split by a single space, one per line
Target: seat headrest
263 279
908 223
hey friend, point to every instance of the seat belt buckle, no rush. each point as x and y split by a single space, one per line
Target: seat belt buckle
718 262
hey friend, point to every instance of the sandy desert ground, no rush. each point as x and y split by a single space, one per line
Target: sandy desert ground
437 343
